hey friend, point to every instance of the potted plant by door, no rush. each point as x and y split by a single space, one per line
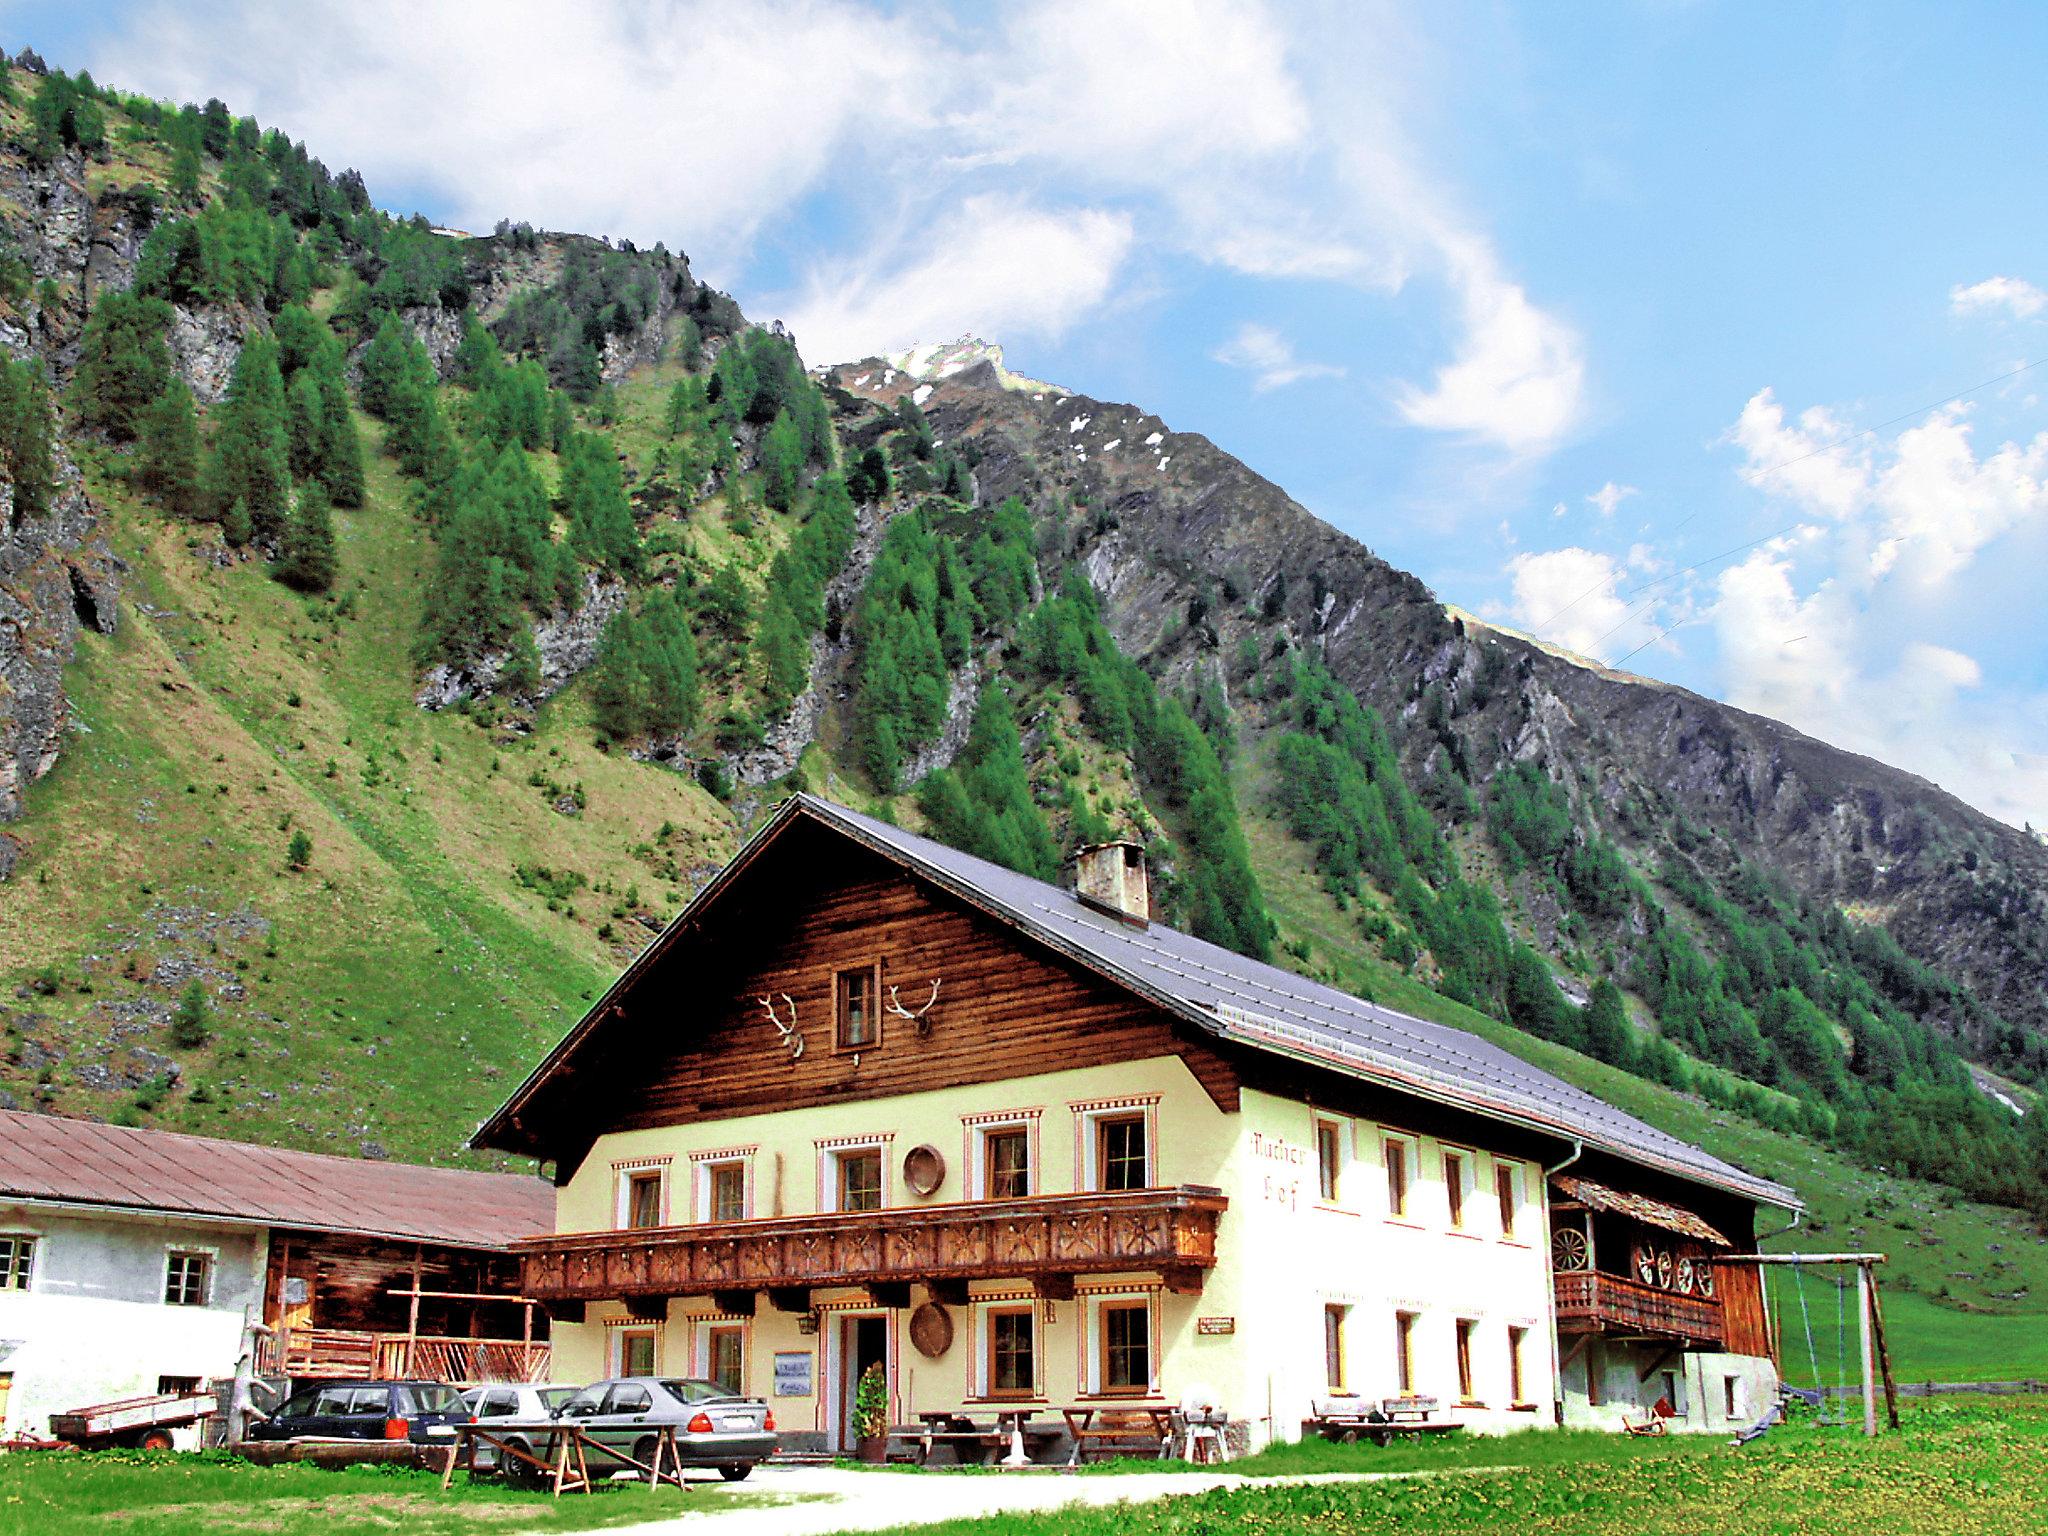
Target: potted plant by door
871 1415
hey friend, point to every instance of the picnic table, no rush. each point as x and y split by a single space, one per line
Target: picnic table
1347 1419
564 1459
964 1435
1106 1430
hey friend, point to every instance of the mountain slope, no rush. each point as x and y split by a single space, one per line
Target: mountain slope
620 572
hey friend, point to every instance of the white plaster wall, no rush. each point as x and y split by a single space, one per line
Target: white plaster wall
1702 1380
1283 1255
94 1326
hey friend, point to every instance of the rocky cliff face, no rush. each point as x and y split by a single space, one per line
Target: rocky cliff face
1191 552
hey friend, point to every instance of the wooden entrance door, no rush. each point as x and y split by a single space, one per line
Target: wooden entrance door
863 1341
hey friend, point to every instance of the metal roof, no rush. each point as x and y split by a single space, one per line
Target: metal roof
1229 995
81 1162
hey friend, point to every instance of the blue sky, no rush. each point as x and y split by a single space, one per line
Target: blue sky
1623 323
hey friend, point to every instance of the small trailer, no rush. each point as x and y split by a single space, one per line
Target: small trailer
146 1422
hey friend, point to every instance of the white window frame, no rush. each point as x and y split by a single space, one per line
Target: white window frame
1341 1185
830 1153
702 1165
1518 1176
1468 1168
1088 1118
1411 1154
623 1173
1092 1343
981 1372
16 1268
975 1131
701 1345
209 1258
617 1344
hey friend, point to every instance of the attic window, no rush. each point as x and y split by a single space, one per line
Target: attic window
857 1028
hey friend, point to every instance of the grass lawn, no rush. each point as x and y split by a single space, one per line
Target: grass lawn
1958 1465
140 1493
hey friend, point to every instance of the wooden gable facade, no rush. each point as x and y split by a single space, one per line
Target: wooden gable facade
687 1036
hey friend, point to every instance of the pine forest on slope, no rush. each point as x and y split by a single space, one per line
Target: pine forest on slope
476 595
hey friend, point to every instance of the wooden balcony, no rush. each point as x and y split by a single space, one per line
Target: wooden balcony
347 1352
1590 1302
1046 1239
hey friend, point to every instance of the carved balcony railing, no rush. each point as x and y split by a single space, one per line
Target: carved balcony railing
1047 1239
1591 1302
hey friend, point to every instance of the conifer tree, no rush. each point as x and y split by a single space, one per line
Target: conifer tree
593 500
304 425
1608 1033
25 439
251 461
168 463
307 558
341 447
123 362
782 463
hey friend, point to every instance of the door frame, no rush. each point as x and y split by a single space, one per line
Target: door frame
838 1395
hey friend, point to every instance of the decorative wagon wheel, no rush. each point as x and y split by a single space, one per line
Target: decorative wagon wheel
1685 1277
1664 1268
1568 1249
1646 1263
1703 1277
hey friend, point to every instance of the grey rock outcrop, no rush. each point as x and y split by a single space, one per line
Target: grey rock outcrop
566 639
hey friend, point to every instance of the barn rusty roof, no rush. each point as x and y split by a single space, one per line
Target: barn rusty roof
1247 1001
1658 1213
81 1162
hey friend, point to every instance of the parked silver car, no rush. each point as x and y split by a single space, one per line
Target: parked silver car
713 1427
515 1403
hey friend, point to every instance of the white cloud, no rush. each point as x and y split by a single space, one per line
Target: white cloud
1811 660
1517 379
1270 358
1923 505
692 122
1575 598
998 268
1610 496
2014 295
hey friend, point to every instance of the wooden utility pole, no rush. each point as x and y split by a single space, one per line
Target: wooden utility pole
1863 1333
1884 1354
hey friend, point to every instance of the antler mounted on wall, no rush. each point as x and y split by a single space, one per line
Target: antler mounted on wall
919 1019
788 1032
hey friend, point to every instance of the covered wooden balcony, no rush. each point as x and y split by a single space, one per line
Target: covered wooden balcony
1591 1302
1047 1240
349 1352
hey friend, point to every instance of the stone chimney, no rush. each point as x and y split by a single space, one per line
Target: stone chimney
1111 878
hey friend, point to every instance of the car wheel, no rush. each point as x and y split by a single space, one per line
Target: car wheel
736 1471
643 1451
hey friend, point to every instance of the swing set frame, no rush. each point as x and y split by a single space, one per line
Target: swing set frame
1876 1358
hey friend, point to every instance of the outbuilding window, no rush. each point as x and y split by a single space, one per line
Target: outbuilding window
17 1260
185 1278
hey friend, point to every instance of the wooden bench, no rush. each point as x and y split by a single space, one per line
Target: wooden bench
1119 1431
1348 1419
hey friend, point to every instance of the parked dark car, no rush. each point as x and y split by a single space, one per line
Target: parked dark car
425 1412
714 1427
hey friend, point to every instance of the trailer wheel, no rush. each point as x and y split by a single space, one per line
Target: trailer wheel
155 1440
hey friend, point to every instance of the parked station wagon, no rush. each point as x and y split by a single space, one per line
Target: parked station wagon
425 1412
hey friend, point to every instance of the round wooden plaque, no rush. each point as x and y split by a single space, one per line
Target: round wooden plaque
924 1170
931 1330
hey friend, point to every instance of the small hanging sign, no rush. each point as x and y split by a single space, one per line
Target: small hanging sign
1211 1327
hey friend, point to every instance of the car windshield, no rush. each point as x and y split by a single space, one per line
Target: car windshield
429 1398
552 1398
691 1390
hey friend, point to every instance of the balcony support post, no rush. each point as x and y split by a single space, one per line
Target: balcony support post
948 1293
734 1303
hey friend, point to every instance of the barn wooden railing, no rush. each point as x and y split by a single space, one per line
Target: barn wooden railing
1591 1302
1047 1239
397 1357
